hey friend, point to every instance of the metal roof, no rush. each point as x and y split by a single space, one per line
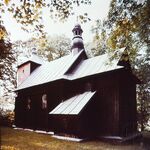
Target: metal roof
73 105
95 65
55 70
49 71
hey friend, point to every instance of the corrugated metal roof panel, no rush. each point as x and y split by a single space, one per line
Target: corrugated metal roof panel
74 105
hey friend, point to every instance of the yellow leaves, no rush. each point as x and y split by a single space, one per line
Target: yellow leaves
2 34
120 36
36 16
96 38
124 58
111 43
38 5
42 42
125 21
6 2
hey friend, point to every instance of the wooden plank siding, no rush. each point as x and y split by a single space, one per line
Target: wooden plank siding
127 107
110 112
36 118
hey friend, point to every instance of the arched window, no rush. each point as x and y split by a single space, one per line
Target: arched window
29 103
88 86
44 101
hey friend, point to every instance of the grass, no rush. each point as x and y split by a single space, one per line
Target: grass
25 140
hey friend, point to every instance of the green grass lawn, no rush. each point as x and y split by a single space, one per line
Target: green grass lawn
25 140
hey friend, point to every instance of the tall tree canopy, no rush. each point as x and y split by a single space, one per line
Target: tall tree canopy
47 47
54 47
129 24
30 13
7 59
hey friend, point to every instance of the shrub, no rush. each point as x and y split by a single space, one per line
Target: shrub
6 117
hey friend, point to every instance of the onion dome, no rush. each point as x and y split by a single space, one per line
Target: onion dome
77 41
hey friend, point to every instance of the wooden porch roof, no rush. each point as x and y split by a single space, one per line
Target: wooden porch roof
73 105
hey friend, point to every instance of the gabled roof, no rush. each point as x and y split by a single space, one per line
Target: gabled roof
35 59
74 105
49 71
58 69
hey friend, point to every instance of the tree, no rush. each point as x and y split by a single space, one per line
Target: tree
129 23
99 40
29 13
54 47
49 48
7 59
143 92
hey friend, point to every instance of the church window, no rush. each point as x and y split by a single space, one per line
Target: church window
29 104
44 101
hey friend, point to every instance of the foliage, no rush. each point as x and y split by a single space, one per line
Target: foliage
7 59
6 117
143 93
49 48
54 47
99 41
30 13
128 22
6 112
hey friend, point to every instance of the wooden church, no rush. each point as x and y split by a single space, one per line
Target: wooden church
76 95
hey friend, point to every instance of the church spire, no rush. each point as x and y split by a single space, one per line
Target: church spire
77 41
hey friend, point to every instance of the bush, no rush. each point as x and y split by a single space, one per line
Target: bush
6 117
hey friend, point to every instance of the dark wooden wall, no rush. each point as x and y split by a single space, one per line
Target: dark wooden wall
128 106
111 112
36 117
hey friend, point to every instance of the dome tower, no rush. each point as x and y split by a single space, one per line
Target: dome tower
77 41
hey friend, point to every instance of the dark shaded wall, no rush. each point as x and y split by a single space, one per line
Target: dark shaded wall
111 112
36 117
128 105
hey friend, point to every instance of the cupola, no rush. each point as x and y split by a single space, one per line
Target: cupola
77 41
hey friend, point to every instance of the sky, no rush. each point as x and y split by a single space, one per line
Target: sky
97 10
